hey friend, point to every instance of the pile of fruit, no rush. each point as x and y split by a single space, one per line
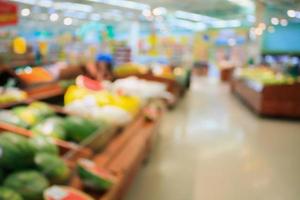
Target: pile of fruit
144 89
265 76
113 108
128 69
29 166
41 119
9 95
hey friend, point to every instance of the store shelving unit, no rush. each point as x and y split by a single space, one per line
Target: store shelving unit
124 155
269 100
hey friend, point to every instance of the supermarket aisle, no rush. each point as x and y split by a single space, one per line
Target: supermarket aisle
212 148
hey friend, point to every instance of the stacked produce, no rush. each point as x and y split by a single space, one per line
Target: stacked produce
128 69
265 76
42 120
144 89
113 108
10 95
29 166
33 75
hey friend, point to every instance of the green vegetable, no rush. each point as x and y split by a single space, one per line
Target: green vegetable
78 128
94 177
29 184
11 118
16 151
1 176
43 109
52 166
9 194
52 127
44 144
28 115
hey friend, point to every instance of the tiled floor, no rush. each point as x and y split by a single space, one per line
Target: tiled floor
212 147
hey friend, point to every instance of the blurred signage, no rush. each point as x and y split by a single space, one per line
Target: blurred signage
8 13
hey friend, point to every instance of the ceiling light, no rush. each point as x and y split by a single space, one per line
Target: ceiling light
275 21
291 13
68 21
30 2
54 17
195 26
124 3
45 3
243 3
25 12
194 16
284 22
159 11
227 23
73 6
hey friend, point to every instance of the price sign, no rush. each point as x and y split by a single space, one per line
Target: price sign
8 13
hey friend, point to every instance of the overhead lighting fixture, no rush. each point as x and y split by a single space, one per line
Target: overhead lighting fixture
45 3
284 22
73 6
193 16
125 4
243 3
274 21
291 13
159 11
227 23
58 5
54 17
25 12
68 21
30 2
194 26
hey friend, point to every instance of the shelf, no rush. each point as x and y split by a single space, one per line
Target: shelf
124 155
269 100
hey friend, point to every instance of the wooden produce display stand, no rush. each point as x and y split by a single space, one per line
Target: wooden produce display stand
226 73
49 91
124 155
269 100
71 150
123 152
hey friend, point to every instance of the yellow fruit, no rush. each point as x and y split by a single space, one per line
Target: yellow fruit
73 93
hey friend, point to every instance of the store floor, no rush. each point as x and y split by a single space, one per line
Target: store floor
212 147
